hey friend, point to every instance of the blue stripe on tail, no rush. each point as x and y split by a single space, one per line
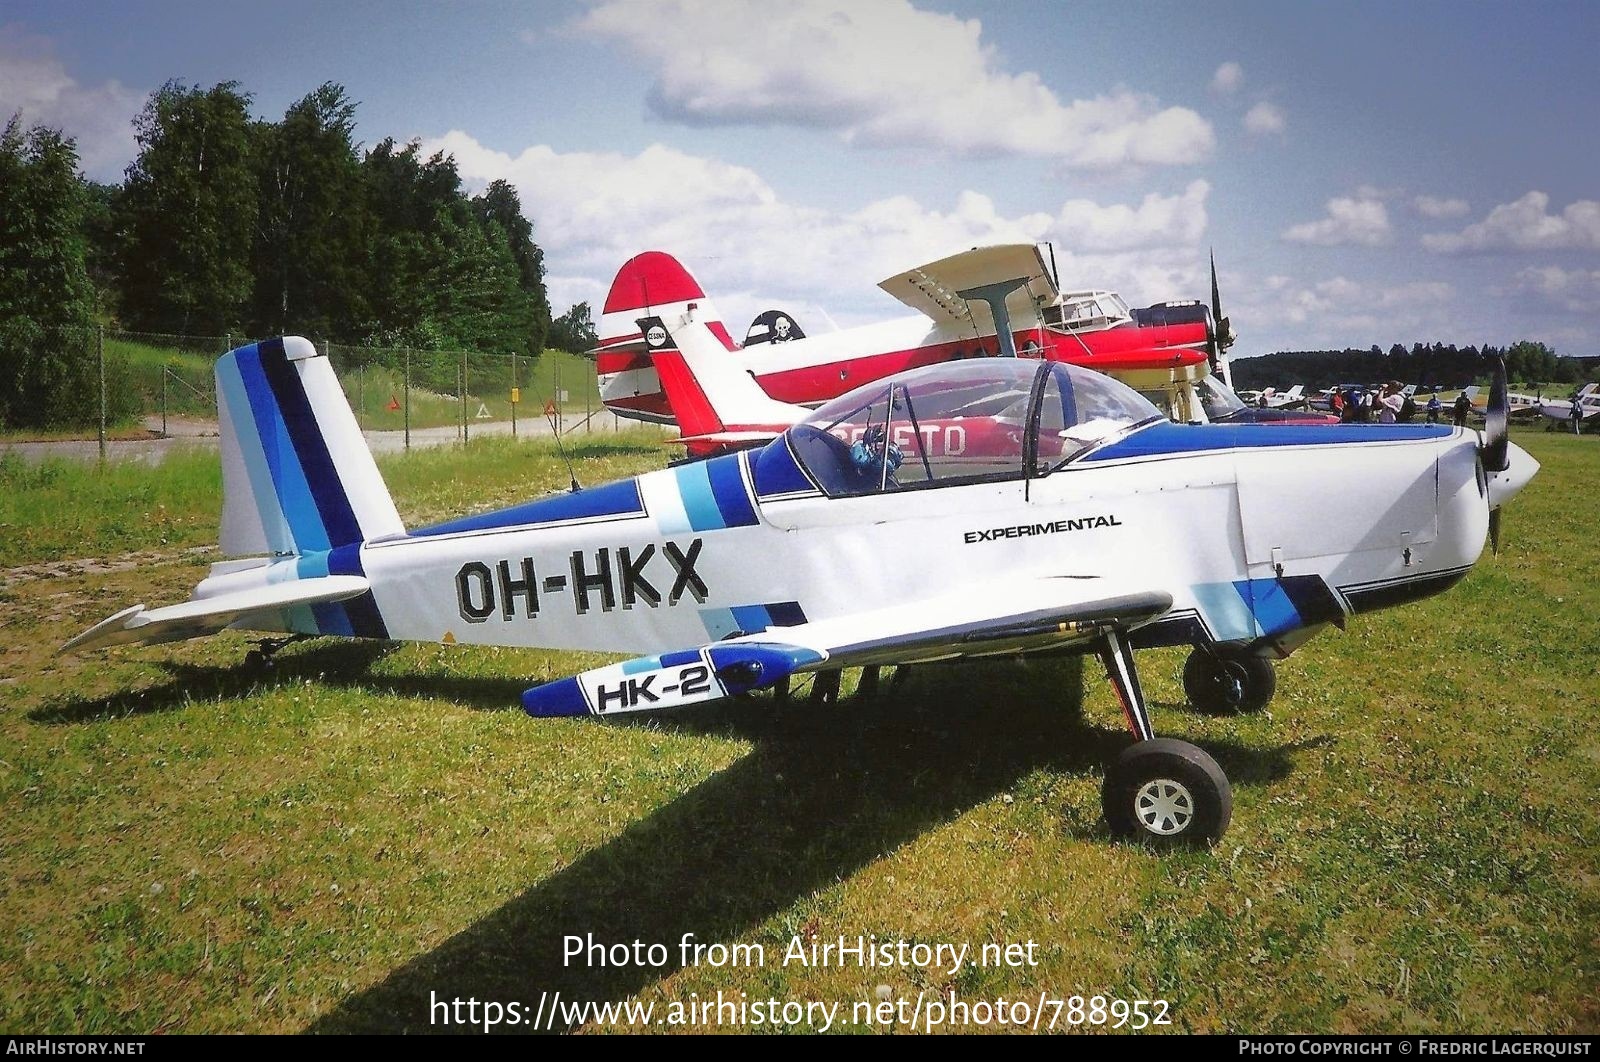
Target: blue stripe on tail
333 505
289 481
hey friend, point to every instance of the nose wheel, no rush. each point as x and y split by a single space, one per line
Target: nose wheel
1160 790
1222 683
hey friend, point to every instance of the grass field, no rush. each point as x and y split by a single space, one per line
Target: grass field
191 847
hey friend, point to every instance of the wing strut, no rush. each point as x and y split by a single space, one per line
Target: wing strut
995 295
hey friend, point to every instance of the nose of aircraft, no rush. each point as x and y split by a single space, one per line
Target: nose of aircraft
1520 468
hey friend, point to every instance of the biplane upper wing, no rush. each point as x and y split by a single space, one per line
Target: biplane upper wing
933 289
1029 615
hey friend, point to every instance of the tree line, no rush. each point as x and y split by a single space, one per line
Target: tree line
1430 365
226 224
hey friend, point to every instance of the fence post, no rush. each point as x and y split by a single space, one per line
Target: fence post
100 348
587 415
515 394
165 370
405 389
463 398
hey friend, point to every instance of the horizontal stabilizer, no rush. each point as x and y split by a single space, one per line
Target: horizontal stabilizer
727 438
692 676
208 615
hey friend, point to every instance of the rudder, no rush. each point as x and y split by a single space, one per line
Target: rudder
297 476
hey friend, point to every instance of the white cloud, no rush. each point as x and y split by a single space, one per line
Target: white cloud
1417 293
1576 290
1526 225
1362 221
1157 221
98 117
1227 79
1288 313
881 74
593 211
1265 118
1430 206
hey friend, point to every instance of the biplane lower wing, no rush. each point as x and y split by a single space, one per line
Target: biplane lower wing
1041 614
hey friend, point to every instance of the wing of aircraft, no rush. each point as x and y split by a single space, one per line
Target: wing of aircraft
1027 616
934 289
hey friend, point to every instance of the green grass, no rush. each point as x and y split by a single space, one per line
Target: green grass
193 847
181 380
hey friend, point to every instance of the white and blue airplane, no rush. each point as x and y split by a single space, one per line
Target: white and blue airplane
1085 522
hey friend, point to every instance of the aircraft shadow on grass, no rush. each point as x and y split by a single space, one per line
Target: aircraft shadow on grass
825 791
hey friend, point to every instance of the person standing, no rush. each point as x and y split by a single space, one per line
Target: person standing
1389 402
1435 407
1577 414
1462 406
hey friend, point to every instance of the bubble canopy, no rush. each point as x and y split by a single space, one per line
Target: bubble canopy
963 422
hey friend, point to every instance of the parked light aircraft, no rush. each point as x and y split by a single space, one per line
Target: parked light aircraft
1588 399
1102 528
958 301
1272 398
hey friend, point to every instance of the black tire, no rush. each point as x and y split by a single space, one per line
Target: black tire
1167 793
1228 683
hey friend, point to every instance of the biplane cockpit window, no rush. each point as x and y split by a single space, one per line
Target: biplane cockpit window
1086 311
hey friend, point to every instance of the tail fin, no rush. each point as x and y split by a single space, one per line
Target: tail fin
710 394
297 477
653 284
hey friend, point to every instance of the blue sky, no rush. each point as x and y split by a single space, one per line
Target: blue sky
1367 173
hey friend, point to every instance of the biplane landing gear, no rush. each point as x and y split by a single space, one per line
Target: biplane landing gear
260 658
1225 683
1160 790
825 688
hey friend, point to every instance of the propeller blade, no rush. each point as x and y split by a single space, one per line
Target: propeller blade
1214 347
1497 418
1494 531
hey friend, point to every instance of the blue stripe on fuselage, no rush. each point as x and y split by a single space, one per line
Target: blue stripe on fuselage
614 499
699 501
1270 604
1164 439
727 485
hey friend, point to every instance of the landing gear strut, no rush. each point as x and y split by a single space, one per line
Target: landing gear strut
1160 790
260 658
1219 682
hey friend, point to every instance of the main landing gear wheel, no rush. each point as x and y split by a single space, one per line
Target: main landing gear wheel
1167 792
1227 683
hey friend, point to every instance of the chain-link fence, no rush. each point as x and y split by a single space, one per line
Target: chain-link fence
112 384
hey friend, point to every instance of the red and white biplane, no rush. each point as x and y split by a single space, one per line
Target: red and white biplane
999 300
